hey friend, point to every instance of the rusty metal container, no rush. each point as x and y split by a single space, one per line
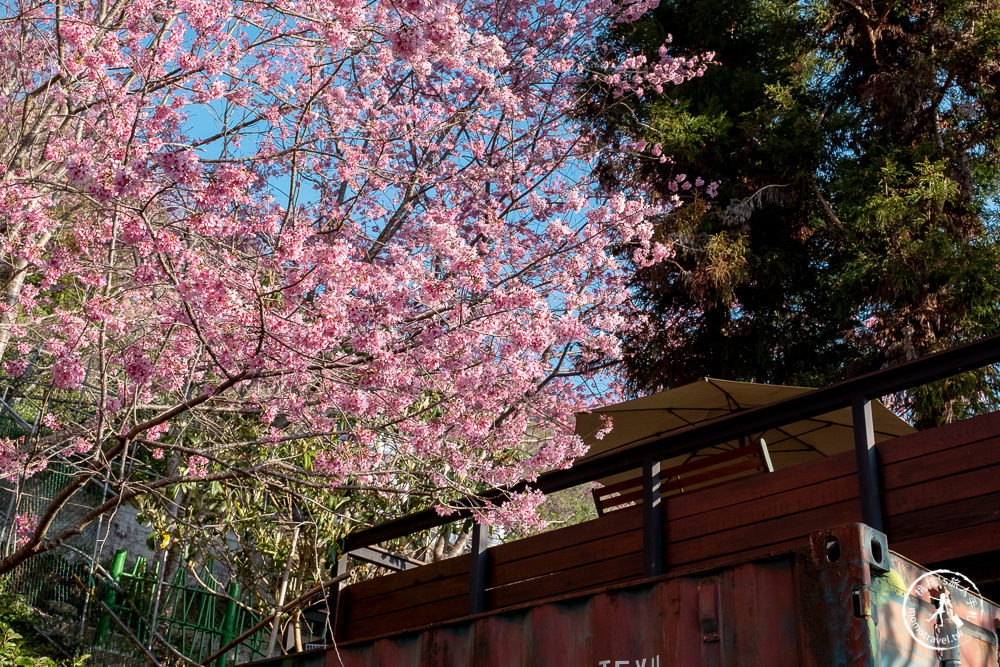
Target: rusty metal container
839 597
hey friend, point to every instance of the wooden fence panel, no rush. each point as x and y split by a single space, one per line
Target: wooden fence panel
594 553
761 513
941 490
413 598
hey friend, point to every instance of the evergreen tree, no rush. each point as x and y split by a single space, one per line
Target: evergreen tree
855 146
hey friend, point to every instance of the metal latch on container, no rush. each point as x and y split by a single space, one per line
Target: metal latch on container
861 599
708 609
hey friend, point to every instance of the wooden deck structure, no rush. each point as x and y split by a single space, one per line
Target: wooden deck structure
939 492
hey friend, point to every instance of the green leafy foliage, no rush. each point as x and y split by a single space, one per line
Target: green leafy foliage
19 644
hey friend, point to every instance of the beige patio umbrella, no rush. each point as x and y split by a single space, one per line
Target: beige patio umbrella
790 444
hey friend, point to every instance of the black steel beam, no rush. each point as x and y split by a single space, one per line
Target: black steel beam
478 569
652 519
869 488
722 429
383 558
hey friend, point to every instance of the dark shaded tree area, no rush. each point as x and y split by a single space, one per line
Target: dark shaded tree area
856 148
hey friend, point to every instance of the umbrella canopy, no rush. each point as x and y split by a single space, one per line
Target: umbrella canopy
790 444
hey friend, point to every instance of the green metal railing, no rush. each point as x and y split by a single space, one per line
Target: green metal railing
194 620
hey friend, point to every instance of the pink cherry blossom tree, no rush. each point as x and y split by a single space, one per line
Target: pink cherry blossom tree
229 227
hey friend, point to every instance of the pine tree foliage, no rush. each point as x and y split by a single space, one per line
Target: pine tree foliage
854 147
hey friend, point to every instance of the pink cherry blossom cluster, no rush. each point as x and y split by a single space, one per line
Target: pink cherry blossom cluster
519 513
19 459
12 459
24 527
198 466
318 213
634 74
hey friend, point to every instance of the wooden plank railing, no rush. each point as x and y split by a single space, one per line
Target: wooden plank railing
689 476
934 503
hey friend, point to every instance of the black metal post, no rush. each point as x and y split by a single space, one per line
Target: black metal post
478 568
652 519
864 449
336 614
